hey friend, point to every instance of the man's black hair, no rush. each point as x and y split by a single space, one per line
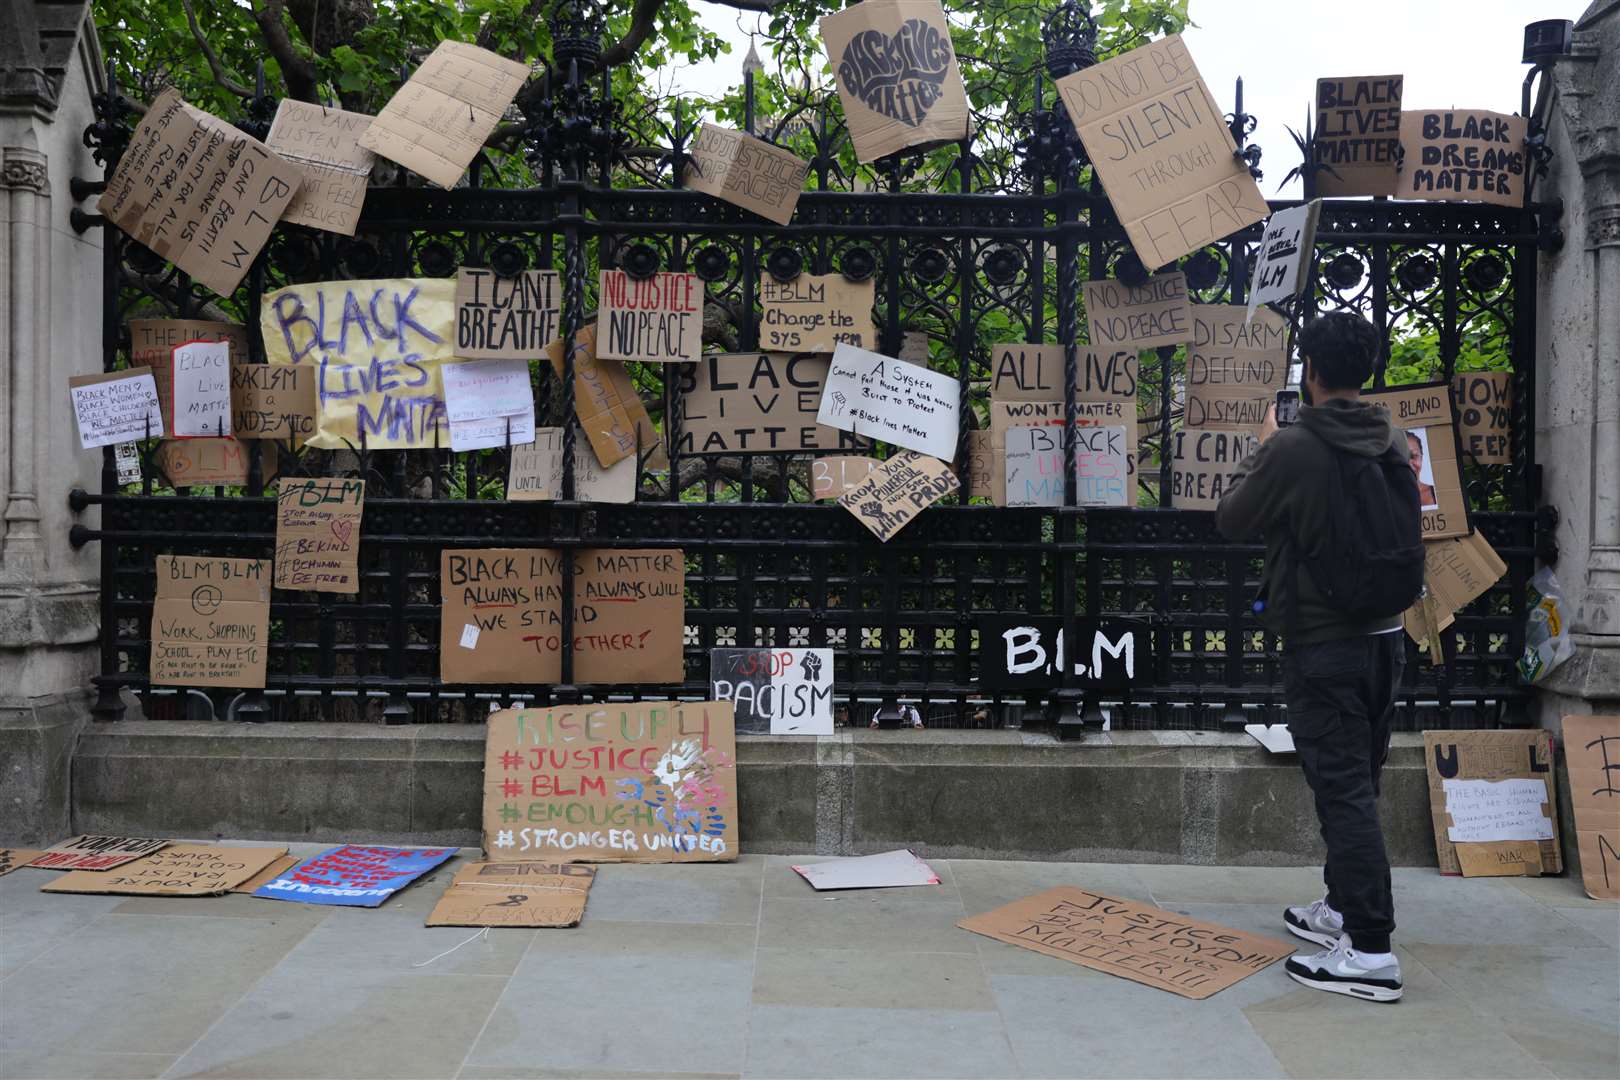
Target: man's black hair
1342 348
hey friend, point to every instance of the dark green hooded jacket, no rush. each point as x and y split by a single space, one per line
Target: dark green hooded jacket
1284 491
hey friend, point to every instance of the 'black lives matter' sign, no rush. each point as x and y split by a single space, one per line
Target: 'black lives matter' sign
1028 652
1358 134
1462 155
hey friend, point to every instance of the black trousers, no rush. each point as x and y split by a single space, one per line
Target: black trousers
1341 699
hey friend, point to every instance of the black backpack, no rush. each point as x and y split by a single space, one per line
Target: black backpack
1372 565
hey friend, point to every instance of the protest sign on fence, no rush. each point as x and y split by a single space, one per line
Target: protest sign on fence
657 320
897 491
1160 145
816 313
375 348
537 471
1483 402
755 403
1026 652
506 318
96 852
1456 571
746 172
1462 154
515 894
200 389
830 477
352 875
1203 464
211 217
783 691
177 870
1103 464
1424 412
1488 755
646 781
1034 466
273 401
1157 312
903 404
1235 366
437 122
609 408
1592 752
213 462
979 465
1035 373
152 343
897 75
318 533
210 621
1282 261
1358 134
115 407
488 403
324 143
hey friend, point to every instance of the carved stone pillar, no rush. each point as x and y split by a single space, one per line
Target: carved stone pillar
25 340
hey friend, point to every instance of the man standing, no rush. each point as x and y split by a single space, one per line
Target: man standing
1336 502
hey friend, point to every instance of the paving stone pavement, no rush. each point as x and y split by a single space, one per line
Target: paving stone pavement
742 970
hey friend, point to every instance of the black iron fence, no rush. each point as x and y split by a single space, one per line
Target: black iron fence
969 246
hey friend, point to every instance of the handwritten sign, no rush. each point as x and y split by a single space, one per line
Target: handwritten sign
437 122
897 75
980 465
1502 754
1456 572
897 491
152 343
755 403
506 318
816 313
1424 412
608 406
210 621
903 404
115 407
273 401
658 320
1496 810
781 691
1026 652
1102 465
318 534
1161 147
536 473
648 781
1235 366
1462 154
1034 466
747 172
1483 401
352 875
323 143
515 894
177 870
488 400
375 348
1282 262
200 381
96 852
1156 313
1357 135
1592 750
1203 464
199 192
1133 940
830 477
1035 373
16 858
213 462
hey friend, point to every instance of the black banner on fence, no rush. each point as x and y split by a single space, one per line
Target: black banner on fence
1027 653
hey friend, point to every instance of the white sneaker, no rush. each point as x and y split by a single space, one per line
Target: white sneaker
1343 970
1318 923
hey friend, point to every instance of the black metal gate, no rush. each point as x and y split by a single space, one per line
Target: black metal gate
969 247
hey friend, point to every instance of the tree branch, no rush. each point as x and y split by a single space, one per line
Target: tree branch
303 80
644 15
212 57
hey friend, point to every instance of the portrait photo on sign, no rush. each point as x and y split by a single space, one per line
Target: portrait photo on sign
1417 448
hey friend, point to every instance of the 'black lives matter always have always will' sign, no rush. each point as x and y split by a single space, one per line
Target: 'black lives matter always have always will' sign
1028 652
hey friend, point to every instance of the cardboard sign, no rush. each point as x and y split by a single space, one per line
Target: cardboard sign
353 876
658 320
645 781
777 690
1500 858
1203 464
1484 810
1235 366
95 852
1103 457
1483 401
324 143
903 404
605 400
816 313
152 343
1026 652
1035 373
213 462
830 477
536 473
200 382
15 858
515 894
318 534
1160 145
980 464
1592 752
278 866
1462 155
1034 466
506 318
1357 134
897 75
199 192
1455 573
273 401
437 122
755 403
1008 415
375 348
897 491
1282 262
1130 939
502 615
1507 754
115 407
746 172
177 870
210 621
1425 414
1146 316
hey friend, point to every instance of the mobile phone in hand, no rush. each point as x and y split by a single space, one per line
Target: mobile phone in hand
1287 407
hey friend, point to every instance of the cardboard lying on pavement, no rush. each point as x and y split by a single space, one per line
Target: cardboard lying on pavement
12 858
891 869
1130 939
515 894
1592 752
353 875
177 870
1524 754
280 865
96 852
